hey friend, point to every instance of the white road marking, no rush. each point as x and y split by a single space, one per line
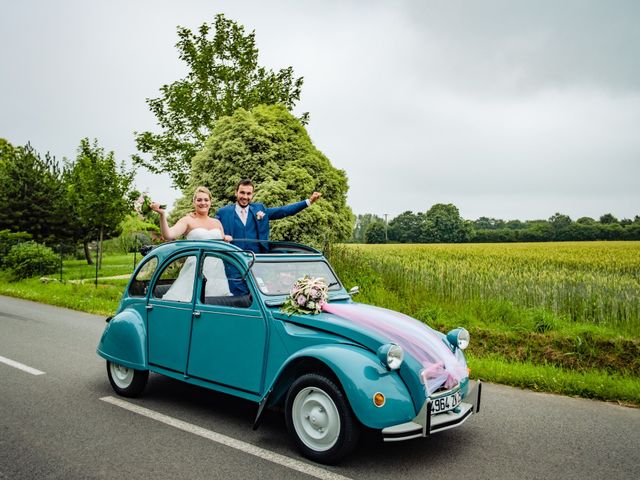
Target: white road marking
228 441
20 366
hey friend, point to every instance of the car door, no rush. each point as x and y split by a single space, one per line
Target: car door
169 313
229 332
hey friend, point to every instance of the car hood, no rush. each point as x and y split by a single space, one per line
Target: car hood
375 326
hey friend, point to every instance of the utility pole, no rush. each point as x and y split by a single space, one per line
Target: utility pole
386 237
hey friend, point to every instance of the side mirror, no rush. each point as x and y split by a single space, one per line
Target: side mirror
354 291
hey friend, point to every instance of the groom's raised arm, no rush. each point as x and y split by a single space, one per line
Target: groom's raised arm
280 212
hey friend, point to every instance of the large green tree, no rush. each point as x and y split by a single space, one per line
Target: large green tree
222 75
443 224
97 192
561 225
270 146
376 232
406 227
608 219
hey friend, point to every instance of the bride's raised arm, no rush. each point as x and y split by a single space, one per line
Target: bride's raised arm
170 233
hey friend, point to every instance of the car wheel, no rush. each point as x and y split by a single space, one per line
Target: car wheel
320 419
126 381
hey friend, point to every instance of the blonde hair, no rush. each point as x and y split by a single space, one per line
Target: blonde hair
200 189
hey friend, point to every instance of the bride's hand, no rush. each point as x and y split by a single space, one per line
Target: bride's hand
155 206
228 238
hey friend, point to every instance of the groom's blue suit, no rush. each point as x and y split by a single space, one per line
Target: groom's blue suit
254 229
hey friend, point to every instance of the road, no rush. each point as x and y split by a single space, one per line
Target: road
66 422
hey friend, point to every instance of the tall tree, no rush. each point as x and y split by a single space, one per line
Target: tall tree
97 192
406 227
376 232
443 224
31 190
608 219
223 75
561 226
270 146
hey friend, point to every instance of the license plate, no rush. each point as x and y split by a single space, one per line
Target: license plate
446 403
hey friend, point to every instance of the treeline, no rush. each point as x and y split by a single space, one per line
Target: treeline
442 223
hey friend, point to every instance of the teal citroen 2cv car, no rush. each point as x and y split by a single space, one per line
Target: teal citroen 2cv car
211 314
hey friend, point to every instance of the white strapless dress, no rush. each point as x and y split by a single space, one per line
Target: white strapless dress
213 269
204 234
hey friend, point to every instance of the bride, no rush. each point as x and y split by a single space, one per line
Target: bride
196 226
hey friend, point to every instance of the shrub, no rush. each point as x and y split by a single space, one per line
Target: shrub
7 240
29 259
136 232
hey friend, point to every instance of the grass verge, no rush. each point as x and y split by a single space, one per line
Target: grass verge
84 297
594 383
77 289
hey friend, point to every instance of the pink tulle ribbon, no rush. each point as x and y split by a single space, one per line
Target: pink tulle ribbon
434 373
440 365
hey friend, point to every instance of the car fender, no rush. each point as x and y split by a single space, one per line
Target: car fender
361 376
124 340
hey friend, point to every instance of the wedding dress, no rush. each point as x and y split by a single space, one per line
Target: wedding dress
213 269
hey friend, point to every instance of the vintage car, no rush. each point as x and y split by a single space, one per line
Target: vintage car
210 314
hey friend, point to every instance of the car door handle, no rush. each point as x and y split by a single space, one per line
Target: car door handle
196 314
149 307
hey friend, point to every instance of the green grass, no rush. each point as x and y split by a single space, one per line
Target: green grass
112 265
596 384
85 297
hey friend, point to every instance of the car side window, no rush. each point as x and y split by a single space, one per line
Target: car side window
223 284
177 280
138 287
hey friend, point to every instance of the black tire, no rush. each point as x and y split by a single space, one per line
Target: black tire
127 381
320 420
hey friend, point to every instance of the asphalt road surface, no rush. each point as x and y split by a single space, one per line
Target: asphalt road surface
59 418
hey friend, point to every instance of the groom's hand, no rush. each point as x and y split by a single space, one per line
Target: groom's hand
314 196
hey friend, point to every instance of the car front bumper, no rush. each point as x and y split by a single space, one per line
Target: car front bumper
425 423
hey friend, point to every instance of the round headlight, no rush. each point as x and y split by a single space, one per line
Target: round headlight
459 338
391 356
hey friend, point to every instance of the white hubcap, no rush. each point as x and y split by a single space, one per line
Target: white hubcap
316 419
122 376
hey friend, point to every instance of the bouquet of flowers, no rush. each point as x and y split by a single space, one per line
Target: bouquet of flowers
307 296
143 204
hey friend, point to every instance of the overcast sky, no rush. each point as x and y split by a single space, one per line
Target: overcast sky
507 109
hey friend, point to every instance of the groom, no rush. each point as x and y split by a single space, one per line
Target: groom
250 221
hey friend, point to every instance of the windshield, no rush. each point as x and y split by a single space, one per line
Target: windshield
277 278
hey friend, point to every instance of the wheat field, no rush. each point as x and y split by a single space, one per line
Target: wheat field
585 282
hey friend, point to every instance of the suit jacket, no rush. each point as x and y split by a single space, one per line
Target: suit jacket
254 229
